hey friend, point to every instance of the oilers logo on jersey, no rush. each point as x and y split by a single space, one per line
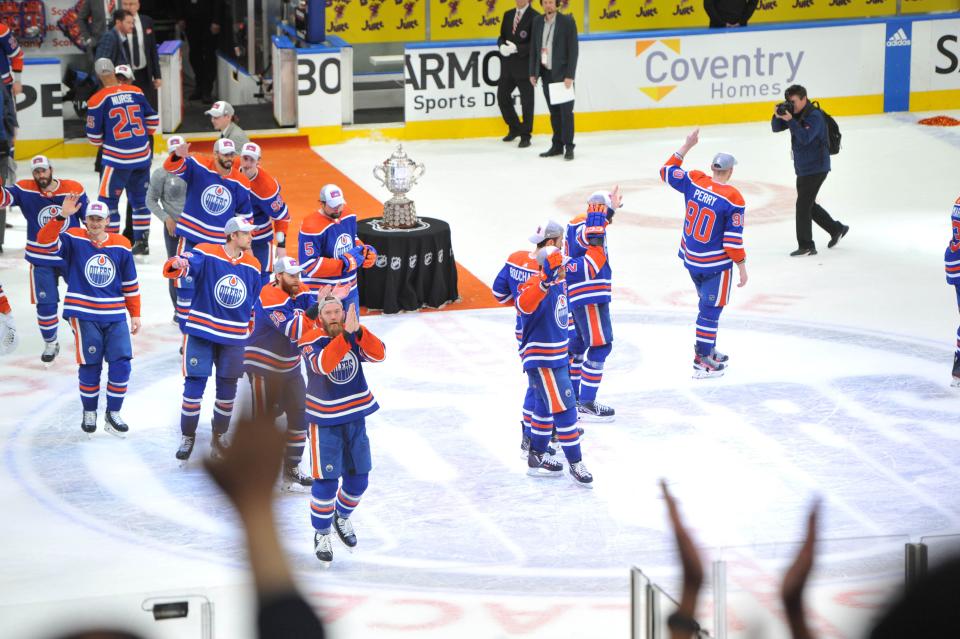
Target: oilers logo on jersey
216 200
344 243
47 213
99 270
230 291
346 370
560 313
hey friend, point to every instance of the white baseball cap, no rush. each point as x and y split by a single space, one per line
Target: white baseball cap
219 108
547 231
98 209
723 161
235 224
103 66
39 162
250 150
600 197
175 141
288 265
332 195
124 70
224 146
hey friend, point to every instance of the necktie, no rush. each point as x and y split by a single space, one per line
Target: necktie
135 49
516 21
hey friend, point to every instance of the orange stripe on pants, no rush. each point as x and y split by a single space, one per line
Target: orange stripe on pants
105 181
596 329
555 404
78 342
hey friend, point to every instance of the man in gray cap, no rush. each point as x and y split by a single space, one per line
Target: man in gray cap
224 119
711 244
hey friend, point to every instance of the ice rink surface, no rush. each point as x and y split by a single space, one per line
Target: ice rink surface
838 387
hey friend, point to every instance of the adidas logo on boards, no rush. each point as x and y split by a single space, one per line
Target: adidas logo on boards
898 39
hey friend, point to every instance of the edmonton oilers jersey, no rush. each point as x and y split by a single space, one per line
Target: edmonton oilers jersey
278 325
952 255
269 209
225 291
11 55
211 200
544 321
121 122
38 208
102 281
519 267
713 223
589 277
337 390
322 242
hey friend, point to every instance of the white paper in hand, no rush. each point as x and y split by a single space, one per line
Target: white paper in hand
559 93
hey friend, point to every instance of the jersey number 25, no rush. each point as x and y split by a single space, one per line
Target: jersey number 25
128 122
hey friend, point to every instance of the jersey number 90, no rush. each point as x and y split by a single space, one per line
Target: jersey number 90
699 222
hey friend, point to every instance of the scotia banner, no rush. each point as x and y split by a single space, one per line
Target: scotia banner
934 65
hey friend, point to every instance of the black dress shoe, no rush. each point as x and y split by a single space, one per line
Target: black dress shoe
804 251
524 143
568 155
510 137
835 237
552 152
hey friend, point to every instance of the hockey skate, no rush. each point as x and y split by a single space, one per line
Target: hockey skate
706 366
186 447
543 465
89 423
294 480
956 371
218 446
323 548
580 475
719 357
50 352
114 424
344 528
525 448
595 412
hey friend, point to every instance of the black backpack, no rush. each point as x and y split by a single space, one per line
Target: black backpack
833 131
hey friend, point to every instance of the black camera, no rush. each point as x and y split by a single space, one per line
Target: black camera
785 107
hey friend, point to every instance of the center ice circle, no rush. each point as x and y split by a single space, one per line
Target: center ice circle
454 506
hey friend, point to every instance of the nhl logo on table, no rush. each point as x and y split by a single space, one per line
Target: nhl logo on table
99 270
412 261
381 261
395 263
428 259
230 291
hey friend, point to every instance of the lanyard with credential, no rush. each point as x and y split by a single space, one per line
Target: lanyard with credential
547 37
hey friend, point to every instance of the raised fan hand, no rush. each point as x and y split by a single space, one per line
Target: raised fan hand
182 150
616 197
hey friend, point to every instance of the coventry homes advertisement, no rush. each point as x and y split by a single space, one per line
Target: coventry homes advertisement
637 73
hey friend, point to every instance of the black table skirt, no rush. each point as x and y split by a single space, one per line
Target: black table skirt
414 268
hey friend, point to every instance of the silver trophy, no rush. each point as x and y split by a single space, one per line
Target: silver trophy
399 173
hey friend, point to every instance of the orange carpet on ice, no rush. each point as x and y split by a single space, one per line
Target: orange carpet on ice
301 173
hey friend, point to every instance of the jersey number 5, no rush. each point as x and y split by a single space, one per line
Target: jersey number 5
699 222
128 122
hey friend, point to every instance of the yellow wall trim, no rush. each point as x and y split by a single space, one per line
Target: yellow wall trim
933 100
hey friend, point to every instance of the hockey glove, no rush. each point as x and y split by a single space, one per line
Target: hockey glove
352 259
9 338
595 228
369 256
551 265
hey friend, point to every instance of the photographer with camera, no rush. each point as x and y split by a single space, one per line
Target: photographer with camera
809 144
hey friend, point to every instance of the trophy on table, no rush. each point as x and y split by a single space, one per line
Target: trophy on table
399 173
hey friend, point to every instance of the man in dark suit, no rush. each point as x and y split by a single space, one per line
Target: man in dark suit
113 45
554 59
96 18
514 42
142 52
